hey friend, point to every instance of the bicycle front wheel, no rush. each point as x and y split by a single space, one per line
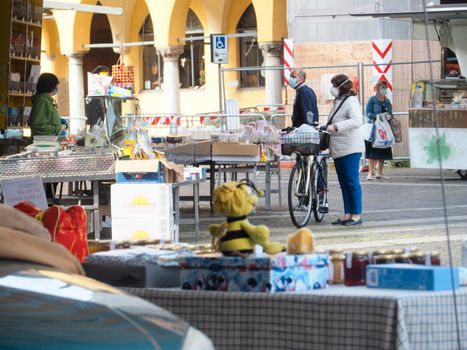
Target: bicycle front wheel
320 189
299 195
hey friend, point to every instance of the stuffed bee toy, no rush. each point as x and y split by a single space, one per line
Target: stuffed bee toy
236 236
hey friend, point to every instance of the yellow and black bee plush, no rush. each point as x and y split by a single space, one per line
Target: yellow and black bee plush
236 236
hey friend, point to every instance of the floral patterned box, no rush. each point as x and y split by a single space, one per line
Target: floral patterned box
278 273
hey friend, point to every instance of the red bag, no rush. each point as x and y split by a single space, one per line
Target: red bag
67 227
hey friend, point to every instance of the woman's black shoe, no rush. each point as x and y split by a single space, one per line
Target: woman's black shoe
339 222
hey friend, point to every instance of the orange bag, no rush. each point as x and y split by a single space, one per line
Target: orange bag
67 227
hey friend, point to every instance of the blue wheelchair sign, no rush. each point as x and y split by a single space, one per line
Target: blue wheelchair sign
219 49
220 42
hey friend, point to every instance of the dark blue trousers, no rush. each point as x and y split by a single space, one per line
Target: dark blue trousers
347 169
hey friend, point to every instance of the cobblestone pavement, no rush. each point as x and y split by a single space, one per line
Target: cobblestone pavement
405 210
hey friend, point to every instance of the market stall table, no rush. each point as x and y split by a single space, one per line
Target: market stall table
333 318
92 165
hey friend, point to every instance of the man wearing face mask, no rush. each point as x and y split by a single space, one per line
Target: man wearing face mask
377 104
305 109
44 118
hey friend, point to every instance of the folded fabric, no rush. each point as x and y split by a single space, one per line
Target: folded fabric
22 221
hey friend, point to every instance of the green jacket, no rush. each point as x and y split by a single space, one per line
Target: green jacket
44 118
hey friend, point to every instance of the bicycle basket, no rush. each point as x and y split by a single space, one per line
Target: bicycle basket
305 143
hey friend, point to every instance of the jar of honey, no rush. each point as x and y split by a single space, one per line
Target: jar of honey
337 274
355 268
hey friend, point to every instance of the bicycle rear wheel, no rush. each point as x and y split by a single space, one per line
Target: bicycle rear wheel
320 189
299 196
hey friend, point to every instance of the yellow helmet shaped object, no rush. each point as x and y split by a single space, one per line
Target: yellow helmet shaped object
236 200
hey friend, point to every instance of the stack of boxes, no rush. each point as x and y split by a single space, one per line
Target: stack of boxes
142 206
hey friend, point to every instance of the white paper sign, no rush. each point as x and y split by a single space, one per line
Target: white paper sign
29 189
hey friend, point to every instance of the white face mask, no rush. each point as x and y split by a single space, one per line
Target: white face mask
383 91
335 90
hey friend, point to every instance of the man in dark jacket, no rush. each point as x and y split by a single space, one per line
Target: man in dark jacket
305 100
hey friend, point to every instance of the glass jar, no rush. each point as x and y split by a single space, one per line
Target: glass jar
385 259
355 268
337 269
433 259
403 258
335 252
418 258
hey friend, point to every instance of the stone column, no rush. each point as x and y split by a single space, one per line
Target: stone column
76 92
171 78
271 54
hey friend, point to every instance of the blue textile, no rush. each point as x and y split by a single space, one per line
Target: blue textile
347 169
305 101
375 107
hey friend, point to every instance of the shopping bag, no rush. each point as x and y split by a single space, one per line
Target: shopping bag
396 129
383 135
67 227
368 131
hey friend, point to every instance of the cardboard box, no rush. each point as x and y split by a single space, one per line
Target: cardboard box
143 229
141 201
408 276
279 273
138 171
124 275
235 149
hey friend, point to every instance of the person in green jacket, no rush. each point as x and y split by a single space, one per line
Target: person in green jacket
44 117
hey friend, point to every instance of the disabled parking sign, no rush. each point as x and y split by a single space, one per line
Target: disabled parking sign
219 49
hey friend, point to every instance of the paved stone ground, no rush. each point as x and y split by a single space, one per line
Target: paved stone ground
404 211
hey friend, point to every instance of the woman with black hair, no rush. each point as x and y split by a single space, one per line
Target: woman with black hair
44 118
346 146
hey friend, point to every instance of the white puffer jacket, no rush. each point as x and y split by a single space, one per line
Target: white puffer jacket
347 120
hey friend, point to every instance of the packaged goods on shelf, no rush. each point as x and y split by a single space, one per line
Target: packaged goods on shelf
278 273
138 171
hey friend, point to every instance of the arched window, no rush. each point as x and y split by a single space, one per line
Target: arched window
250 54
191 63
152 62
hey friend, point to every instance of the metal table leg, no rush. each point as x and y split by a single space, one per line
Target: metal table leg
176 208
268 185
196 205
96 214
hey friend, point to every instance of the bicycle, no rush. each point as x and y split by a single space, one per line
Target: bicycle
308 182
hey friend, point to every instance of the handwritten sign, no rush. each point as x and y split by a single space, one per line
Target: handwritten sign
29 189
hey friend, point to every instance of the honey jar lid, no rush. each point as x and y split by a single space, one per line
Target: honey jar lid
435 254
338 257
399 251
377 252
335 251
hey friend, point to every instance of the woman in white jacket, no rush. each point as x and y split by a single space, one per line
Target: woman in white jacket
346 146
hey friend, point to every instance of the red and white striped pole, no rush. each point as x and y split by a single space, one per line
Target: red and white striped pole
288 59
382 63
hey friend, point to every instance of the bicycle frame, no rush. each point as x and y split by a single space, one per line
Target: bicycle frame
308 160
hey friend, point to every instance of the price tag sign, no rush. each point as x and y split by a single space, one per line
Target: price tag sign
219 49
29 189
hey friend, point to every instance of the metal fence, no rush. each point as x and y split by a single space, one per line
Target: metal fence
253 98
